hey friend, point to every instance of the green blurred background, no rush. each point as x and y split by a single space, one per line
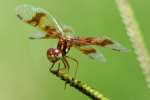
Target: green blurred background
24 67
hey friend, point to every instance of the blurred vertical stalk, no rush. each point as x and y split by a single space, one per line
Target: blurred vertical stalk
135 36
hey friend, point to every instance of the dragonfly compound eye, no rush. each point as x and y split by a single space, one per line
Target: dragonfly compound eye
53 54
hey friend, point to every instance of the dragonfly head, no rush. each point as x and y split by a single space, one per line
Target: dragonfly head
53 54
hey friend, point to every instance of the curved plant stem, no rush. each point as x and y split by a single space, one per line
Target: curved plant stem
135 36
82 87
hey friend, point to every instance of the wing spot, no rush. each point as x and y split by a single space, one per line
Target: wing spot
106 42
35 21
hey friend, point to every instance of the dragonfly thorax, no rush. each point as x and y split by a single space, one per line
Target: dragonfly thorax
64 45
54 54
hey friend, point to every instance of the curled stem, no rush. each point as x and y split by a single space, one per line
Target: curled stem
82 87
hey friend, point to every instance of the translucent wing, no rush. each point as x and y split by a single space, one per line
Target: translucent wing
68 31
40 19
92 53
37 35
116 45
67 28
103 42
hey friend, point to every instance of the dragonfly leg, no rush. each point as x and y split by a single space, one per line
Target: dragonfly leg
77 66
66 65
58 66
50 69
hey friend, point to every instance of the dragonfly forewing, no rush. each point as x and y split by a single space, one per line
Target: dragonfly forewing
41 19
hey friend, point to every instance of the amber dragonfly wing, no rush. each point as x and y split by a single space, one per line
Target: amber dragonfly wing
42 20
102 42
92 53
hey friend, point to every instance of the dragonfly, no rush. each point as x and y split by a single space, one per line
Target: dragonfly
50 28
